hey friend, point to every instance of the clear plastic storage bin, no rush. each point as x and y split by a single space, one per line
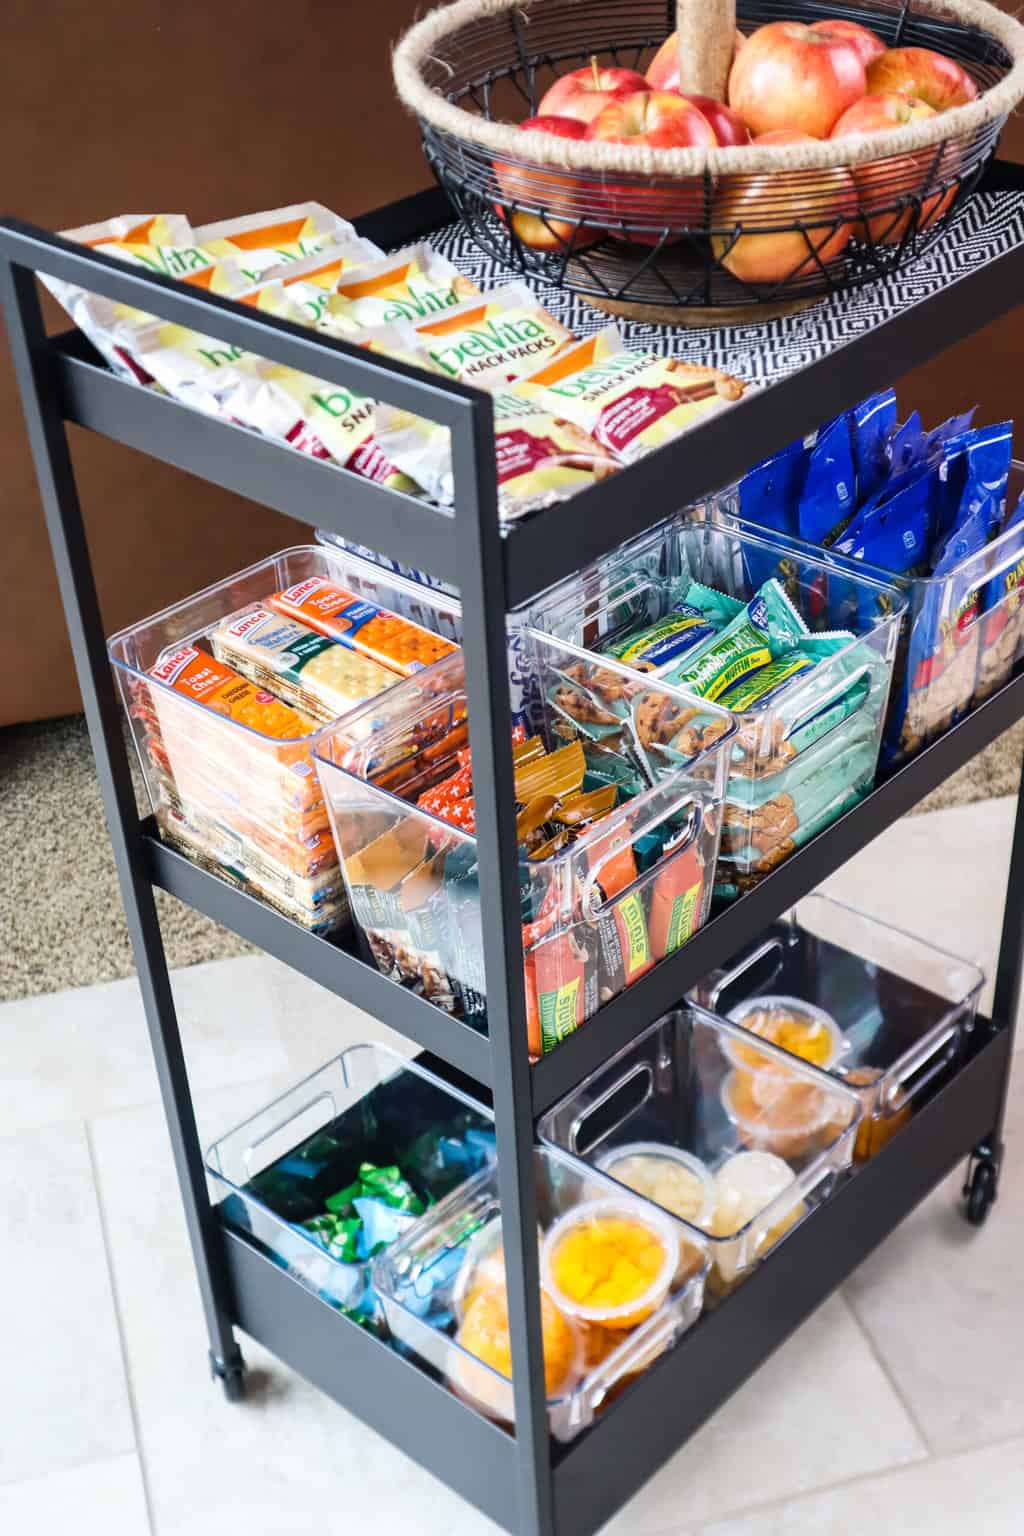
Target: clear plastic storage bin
598 912
442 1289
962 635
279 1168
806 753
902 1008
245 804
742 1148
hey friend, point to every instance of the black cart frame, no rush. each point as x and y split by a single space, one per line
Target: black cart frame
525 1482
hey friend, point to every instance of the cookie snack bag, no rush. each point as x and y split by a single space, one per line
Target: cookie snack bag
630 402
414 285
260 241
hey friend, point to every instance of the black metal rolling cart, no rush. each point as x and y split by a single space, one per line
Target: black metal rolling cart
525 1482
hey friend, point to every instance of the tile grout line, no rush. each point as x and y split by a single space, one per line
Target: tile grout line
122 1339
844 1485
879 1360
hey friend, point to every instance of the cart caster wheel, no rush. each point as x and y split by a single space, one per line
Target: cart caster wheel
981 1193
231 1375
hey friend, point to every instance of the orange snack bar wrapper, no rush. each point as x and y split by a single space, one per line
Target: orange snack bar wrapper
387 638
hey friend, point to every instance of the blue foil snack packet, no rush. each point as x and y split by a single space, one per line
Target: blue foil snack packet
1002 630
906 446
871 425
769 496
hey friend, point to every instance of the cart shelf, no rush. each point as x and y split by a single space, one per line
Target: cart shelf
661 989
597 1473
967 281
808 366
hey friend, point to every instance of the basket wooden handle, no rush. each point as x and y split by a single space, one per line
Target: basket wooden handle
707 36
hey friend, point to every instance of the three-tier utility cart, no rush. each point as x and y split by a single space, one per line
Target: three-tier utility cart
525 1481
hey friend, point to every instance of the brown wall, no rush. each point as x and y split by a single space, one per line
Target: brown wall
118 107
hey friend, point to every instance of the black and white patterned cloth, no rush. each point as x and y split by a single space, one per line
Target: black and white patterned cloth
988 225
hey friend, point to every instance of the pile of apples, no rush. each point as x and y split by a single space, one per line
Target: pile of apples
789 83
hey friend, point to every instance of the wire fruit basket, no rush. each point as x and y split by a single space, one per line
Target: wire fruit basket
682 233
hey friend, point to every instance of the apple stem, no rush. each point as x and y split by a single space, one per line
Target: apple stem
707 32
595 70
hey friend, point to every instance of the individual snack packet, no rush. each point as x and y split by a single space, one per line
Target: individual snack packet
905 447
260 241
871 426
394 642
630 402
221 689
677 894
657 647
757 633
163 242
413 285
894 533
769 495
492 340
829 496
541 459
303 287
321 677
1003 624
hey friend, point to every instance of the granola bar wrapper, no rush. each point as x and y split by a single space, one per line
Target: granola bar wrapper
326 421
541 459
630 402
414 285
261 241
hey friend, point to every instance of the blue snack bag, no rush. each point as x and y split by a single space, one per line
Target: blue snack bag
988 469
827 504
937 684
872 424
770 497
1001 604
905 447
894 534
951 427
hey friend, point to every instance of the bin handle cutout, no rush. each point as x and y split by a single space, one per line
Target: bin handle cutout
596 608
746 963
843 686
324 1097
593 903
643 1071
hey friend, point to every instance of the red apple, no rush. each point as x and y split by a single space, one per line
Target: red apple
552 190
663 74
823 201
789 76
729 128
931 77
898 177
586 92
657 120
867 43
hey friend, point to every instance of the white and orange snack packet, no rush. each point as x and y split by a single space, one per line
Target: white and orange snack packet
630 402
261 241
415 285
492 340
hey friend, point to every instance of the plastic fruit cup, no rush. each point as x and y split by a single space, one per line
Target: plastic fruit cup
610 1262
799 1028
676 1180
790 1121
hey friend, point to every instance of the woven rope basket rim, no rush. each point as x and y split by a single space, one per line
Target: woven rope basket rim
417 47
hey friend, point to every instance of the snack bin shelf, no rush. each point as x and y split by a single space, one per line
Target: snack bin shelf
526 1482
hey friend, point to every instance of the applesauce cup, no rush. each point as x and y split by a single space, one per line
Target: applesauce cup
788 1117
607 1223
658 1171
799 1028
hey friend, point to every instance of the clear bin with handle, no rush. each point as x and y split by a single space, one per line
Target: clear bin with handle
900 1010
245 803
726 1132
442 1289
351 1156
807 745
604 898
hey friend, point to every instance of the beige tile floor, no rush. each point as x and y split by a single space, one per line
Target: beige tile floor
898 1407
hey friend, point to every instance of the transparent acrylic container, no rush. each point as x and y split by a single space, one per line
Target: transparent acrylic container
905 1008
598 914
677 1086
368 1105
810 751
245 805
426 1282
961 637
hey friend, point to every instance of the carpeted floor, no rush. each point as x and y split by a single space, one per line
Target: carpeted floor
60 911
